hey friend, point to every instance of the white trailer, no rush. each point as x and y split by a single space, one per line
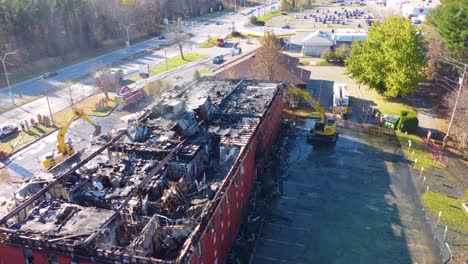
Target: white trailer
341 99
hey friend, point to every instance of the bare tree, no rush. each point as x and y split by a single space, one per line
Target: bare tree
106 81
180 39
268 53
69 95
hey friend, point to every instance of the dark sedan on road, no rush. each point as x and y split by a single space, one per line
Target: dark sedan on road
48 75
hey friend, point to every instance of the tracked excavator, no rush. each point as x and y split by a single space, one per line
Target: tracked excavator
64 149
324 130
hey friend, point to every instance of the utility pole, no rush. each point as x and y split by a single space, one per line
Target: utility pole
462 79
6 75
127 44
50 110
48 104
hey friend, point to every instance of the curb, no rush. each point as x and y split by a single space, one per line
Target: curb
26 145
45 135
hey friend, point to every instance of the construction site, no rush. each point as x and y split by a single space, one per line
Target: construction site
171 187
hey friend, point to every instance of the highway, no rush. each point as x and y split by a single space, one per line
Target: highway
27 162
59 99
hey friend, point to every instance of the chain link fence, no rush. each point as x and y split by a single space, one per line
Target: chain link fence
453 244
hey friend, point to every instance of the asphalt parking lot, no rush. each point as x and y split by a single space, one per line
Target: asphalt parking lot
351 203
325 17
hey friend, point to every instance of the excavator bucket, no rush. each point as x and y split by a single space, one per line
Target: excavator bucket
97 131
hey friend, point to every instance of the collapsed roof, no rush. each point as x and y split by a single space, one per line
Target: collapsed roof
142 193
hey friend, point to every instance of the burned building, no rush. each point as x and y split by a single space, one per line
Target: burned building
170 188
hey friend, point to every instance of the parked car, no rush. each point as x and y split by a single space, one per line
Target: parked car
286 27
161 37
49 75
218 59
284 13
7 129
219 23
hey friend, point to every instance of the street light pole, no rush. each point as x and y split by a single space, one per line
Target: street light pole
462 79
185 17
128 35
6 75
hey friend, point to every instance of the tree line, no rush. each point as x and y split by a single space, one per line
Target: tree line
49 28
40 29
396 57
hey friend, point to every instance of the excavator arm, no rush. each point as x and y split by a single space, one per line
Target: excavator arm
62 146
306 96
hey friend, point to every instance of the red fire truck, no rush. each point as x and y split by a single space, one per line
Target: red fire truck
131 94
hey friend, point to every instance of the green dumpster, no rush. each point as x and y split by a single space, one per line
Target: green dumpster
391 121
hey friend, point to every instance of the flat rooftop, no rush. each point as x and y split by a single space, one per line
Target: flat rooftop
145 195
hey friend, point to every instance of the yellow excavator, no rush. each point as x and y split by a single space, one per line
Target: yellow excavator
64 149
324 131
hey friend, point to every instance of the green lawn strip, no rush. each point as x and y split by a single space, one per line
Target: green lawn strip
388 105
209 43
324 63
304 62
395 106
269 16
420 151
175 62
19 103
20 139
299 9
452 211
89 106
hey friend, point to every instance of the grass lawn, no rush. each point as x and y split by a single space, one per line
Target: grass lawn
19 103
420 151
18 140
389 105
324 63
209 43
452 211
89 106
304 62
299 9
269 16
176 62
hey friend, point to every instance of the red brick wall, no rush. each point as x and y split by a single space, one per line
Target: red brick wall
215 245
10 254
40 258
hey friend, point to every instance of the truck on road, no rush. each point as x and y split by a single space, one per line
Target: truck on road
130 94
221 41
341 100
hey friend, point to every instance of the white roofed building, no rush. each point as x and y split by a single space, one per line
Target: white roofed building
347 36
316 42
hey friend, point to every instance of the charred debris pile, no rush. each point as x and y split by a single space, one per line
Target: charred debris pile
146 190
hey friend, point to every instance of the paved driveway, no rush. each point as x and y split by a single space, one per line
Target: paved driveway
352 203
